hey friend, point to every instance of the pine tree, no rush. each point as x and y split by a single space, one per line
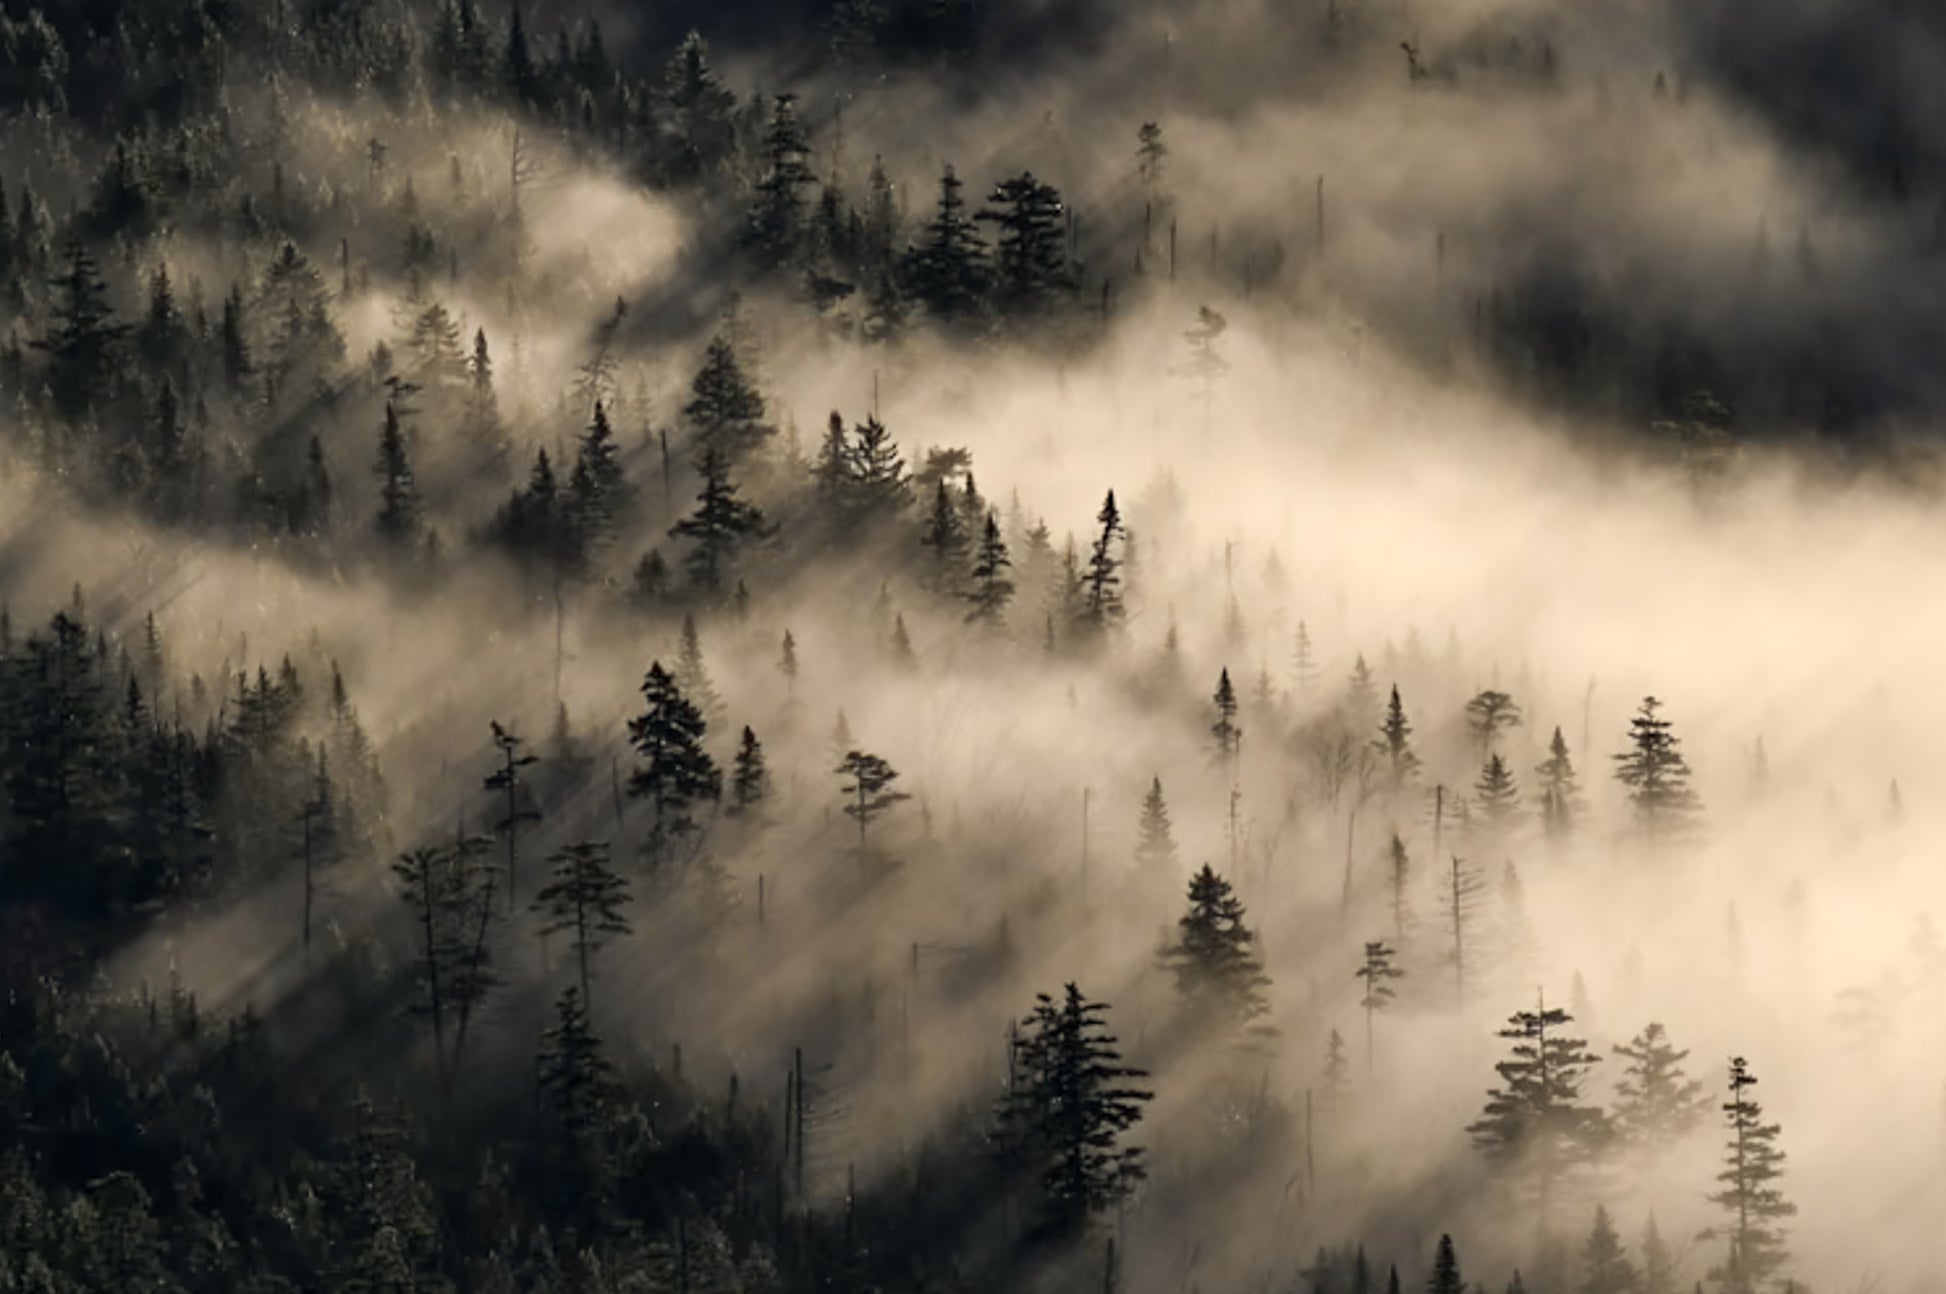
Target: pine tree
1377 971
676 773
1657 777
1446 1278
944 536
869 794
507 782
991 590
400 510
1394 742
577 1082
1101 607
1229 737
1155 846
1533 1126
1488 715
1216 963
234 335
1658 1264
948 269
1752 1165
1561 802
83 338
692 671
598 491
721 524
1066 1111
586 898
1604 1262
724 408
1656 1103
697 108
749 780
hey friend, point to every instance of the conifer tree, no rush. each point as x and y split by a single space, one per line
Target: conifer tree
749 779
1377 971
1561 802
1101 607
991 590
1215 960
676 773
1030 262
83 338
1398 882
400 509
869 794
1394 742
578 1085
1304 663
1446 1278
507 780
1497 797
1155 845
1337 1070
1066 1111
1656 1102
1657 777
1229 737
777 214
1605 1268
1752 1165
692 671
598 490
948 269
720 526
1658 1264
1534 1126
1361 696
1488 715
944 536
724 408
586 898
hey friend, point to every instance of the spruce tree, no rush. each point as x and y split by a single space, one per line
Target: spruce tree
1304 663
598 491
507 782
1394 742
676 773
1101 607
1656 1103
1216 963
1066 1111
1155 845
1757 1208
83 337
585 898
1030 257
578 1086
776 225
1657 777
724 408
991 589
946 539
720 526
948 270
1229 737
1561 802
400 513
1446 1278
1496 797
1605 1268
1398 882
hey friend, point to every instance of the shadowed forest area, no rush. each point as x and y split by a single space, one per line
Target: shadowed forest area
971 646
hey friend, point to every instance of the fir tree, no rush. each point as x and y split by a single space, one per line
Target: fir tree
586 899
1757 1208
947 269
991 590
777 215
869 794
1336 1075
1398 881
1605 1268
946 539
1658 1264
1215 960
1657 776
1561 803
83 338
721 524
1066 1111
400 510
1030 261
724 408
1446 1278
578 1085
1102 596
1395 743
598 490
1304 663
1497 797
1155 846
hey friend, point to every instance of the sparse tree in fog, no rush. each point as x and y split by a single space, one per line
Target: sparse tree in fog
1336 1075
1101 605
1304 663
1155 843
676 773
944 536
721 524
1398 883
1229 737
1488 715
1149 152
1216 962
1753 1163
1656 1103
1068 1107
1497 798
1534 1126
1377 971
869 795
1361 696
507 781
1394 742
1658 1264
692 671
749 778
1561 802
1605 1268
586 897
1657 776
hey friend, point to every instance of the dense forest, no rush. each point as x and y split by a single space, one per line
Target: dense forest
970 646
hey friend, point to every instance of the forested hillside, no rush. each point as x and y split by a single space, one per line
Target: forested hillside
930 645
